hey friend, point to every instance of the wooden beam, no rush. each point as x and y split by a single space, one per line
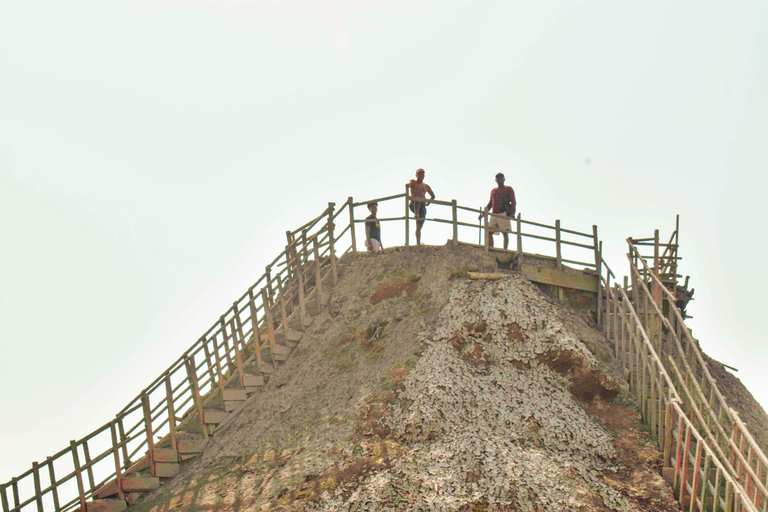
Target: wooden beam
561 278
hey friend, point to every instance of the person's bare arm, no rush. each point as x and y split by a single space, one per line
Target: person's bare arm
429 191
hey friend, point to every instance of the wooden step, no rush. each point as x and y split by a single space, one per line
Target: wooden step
252 381
145 484
105 506
167 469
214 416
235 395
292 335
166 455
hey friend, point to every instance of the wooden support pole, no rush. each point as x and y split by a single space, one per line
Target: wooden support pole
209 362
520 240
225 341
282 306
255 322
300 279
352 225
4 499
238 349
486 232
318 275
116 455
270 323
171 410
407 220
685 461
54 488
15 488
88 467
455 216
696 481
148 428
121 431
38 494
332 243
78 475
192 374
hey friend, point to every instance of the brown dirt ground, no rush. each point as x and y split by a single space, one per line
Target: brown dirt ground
318 424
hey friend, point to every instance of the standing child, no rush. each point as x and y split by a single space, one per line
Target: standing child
373 229
502 202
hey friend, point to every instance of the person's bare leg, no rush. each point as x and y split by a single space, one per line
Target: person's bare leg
506 240
419 223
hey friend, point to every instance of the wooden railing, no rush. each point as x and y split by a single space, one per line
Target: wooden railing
701 479
701 397
175 401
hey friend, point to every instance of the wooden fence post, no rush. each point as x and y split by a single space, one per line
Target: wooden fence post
318 274
78 475
270 323
148 428
54 490
352 224
171 410
38 494
519 239
4 498
332 244
407 221
299 272
455 212
487 239
599 271
255 324
559 257
192 374
116 455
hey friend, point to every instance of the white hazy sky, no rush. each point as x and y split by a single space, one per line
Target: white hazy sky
153 154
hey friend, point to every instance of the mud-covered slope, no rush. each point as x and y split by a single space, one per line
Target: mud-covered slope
417 388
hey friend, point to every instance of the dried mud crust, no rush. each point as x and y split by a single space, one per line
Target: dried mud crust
378 408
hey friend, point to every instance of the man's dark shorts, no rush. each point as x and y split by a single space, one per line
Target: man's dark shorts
419 209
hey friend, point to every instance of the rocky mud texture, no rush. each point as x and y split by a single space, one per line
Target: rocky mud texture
418 389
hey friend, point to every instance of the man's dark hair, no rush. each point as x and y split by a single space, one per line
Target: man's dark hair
372 204
499 174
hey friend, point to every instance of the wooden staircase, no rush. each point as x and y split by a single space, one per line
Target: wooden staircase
165 460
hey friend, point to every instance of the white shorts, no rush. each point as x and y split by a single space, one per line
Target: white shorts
499 224
375 244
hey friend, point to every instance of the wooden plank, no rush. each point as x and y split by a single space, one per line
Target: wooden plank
166 455
145 484
253 380
167 469
215 416
486 275
560 278
111 488
235 394
190 364
106 506
196 446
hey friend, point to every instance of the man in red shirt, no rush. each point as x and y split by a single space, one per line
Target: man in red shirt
502 202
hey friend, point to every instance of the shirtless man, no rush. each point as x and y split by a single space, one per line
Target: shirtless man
419 189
